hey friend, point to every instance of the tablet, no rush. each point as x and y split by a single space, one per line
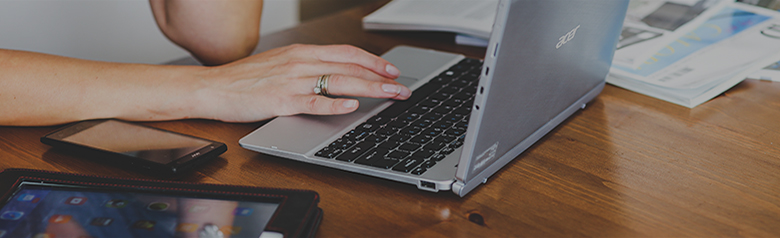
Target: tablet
46 204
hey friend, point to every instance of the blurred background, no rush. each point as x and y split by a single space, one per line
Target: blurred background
124 30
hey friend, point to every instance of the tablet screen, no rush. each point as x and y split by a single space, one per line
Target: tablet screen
67 211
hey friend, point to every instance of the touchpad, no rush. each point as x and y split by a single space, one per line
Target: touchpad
406 81
417 63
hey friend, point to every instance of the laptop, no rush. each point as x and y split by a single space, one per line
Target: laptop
467 118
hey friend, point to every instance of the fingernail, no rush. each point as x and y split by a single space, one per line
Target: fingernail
350 103
405 93
391 88
392 70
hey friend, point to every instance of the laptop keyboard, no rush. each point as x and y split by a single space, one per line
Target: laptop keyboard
411 136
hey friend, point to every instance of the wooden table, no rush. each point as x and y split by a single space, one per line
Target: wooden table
628 165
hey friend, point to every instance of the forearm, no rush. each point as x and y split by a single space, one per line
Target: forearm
215 32
39 89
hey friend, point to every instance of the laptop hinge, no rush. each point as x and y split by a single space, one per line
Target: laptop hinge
457 188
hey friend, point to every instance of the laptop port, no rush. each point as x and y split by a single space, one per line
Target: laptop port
428 185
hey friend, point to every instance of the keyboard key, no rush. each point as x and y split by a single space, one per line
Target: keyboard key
444 138
360 136
441 96
389 144
432 116
460 83
419 171
441 125
434 146
407 165
456 144
383 162
408 117
355 151
465 110
441 80
399 138
423 154
378 120
376 157
455 132
444 109
465 95
328 152
409 146
367 127
398 154
428 164
410 131
433 131
429 103
419 109
438 157
422 123
421 139
374 139
385 132
396 125
450 89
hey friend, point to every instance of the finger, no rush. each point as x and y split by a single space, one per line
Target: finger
319 105
308 69
353 55
344 85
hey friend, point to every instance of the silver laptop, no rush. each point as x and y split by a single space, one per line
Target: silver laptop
467 118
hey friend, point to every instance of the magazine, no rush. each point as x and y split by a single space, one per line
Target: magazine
708 60
768 73
772 71
652 24
469 17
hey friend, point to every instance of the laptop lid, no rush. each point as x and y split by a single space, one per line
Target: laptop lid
545 60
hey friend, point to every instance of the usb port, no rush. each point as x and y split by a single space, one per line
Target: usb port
428 185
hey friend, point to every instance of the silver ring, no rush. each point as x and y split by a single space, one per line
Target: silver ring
321 88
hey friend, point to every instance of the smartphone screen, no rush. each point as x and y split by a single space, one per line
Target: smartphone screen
137 141
67 211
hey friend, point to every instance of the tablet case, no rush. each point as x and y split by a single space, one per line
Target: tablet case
297 215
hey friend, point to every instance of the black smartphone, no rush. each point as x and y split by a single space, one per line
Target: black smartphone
126 144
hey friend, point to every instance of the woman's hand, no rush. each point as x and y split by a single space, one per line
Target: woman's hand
281 82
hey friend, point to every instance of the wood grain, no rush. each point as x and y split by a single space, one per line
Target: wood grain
627 165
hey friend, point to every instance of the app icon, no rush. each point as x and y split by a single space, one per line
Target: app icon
243 211
75 200
116 203
11 215
198 209
158 206
28 198
101 221
230 230
59 219
186 227
44 235
144 224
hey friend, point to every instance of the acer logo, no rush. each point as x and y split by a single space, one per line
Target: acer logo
567 37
